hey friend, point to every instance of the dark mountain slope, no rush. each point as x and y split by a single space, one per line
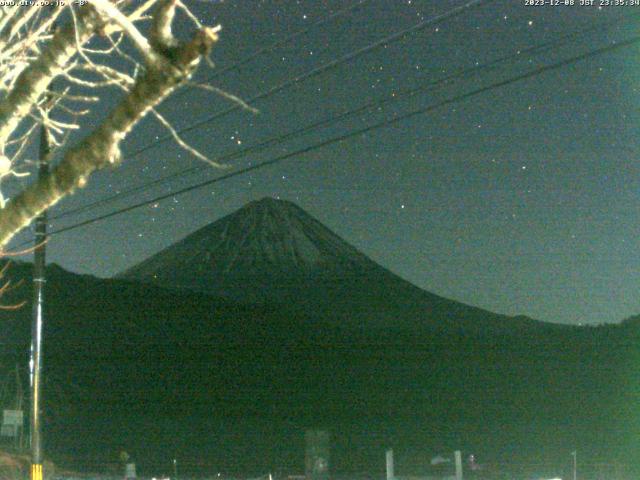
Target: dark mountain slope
163 371
273 251
153 370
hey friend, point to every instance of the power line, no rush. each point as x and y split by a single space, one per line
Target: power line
275 45
323 68
314 72
354 133
282 42
460 74
389 39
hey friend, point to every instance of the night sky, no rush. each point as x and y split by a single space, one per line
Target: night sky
520 200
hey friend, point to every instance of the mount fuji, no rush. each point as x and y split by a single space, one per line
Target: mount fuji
272 251
267 241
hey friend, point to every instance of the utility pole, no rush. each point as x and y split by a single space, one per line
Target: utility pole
39 279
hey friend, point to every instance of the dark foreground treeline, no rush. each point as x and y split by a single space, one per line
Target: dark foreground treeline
231 387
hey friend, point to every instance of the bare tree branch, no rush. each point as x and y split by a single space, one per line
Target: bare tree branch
165 71
81 54
34 80
110 11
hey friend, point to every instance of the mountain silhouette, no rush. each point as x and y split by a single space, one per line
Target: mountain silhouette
228 344
272 251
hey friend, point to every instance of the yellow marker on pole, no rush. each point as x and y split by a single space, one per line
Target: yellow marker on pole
36 471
